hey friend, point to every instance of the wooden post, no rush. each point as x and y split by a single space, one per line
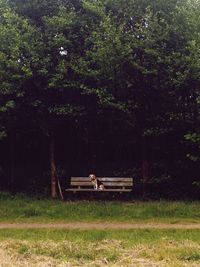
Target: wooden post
60 190
54 181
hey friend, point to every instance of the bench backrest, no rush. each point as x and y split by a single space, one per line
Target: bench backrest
109 182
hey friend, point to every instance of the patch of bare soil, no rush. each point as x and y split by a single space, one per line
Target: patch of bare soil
98 226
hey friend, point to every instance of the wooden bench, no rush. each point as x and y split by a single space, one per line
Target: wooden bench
112 184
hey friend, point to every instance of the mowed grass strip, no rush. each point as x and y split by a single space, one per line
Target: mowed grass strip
24 209
100 248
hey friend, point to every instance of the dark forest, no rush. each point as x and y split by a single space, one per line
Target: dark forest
110 87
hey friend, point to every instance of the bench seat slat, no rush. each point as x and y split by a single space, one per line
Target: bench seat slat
105 184
103 179
92 190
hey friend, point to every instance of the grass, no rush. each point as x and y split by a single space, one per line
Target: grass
24 209
98 248
128 236
167 248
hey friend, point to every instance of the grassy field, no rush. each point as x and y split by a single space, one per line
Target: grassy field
150 248
73 248
24 209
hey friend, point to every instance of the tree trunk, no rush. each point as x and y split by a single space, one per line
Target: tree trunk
54 181
12 160
145 165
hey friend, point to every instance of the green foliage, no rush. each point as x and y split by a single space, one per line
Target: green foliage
194 137
132 65
2 133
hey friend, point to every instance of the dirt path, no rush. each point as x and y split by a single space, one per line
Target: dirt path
98 226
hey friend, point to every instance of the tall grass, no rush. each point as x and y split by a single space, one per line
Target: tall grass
22 209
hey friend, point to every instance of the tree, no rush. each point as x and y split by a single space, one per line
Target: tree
53 94
16 35
124 74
